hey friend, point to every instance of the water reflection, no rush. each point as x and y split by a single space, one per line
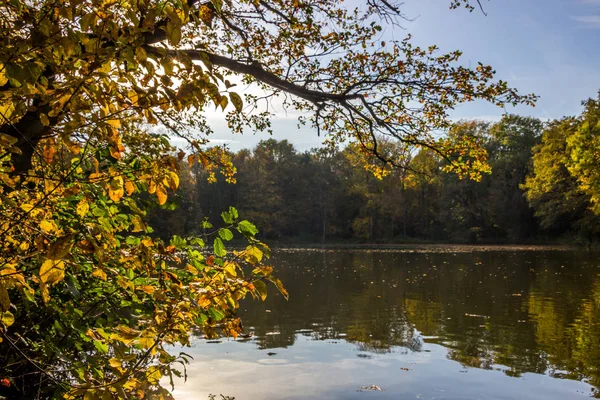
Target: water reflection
514 312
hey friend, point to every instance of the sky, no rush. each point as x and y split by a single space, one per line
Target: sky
547 47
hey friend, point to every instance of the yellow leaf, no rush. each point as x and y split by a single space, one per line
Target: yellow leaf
151 187
161 194
172 180
204 300
191 269
230 269
115 189
237 101
146 289
82 208
44 292
3 77
6 111
129 188
95 177
116 148
48 226
7 318
131 384
261 289
133 96
126 334
153 375
146 342
138 224
98 273
253 254
115 123
27 207
63 100
115 363
115 195
12 277
44 120
52 271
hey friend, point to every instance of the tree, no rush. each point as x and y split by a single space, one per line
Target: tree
461 199
553 190
423 184
89 301
564 185
584 160
510 150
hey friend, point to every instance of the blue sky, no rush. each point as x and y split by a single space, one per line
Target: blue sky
547 47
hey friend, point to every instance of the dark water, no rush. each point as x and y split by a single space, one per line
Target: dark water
483 325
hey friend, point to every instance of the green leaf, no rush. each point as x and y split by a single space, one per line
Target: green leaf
215 314
201 320
173 31
225 234
178 241
218 5
247 228
234 212
197 242
227 217
101 347
219 248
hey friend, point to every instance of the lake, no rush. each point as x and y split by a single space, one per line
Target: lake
443 323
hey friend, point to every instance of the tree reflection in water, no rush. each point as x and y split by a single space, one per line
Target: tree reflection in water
516 312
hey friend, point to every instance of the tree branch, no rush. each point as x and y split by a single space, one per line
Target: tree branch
257 71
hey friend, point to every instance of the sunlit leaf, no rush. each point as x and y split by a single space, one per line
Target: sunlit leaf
52 271
219 248
7 318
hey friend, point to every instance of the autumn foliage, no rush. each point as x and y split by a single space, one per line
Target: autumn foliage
90 300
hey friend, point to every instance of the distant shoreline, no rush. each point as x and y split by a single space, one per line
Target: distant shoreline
424 248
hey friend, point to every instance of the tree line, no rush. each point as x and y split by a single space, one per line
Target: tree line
542 185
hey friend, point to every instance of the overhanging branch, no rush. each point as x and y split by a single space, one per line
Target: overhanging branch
257 71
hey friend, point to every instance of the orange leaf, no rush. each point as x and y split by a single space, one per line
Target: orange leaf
161 194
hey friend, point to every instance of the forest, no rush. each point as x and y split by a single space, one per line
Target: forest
536 190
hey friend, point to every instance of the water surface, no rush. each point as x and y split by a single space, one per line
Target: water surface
417 325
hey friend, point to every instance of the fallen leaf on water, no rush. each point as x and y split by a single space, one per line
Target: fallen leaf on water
372 387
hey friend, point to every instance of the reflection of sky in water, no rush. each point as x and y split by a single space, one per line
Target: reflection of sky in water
312 369
496 326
